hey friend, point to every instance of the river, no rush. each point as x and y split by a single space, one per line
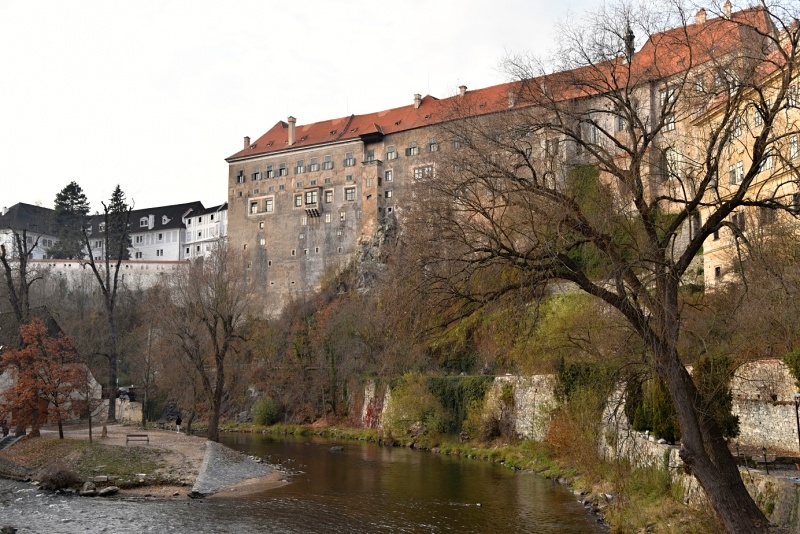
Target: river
358 488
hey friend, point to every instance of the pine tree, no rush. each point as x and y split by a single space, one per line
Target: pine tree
119 239
71 208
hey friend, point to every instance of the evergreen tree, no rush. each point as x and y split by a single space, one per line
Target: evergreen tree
71 208
117 218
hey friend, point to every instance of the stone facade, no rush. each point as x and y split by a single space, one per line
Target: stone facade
763 398
534 401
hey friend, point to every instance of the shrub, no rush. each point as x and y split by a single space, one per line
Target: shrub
266 411
58 477
412 404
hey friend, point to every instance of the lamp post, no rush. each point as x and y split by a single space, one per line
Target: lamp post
797 415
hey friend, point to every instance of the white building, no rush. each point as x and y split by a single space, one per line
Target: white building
204 229
35 221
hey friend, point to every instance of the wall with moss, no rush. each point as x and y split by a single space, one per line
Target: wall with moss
533 403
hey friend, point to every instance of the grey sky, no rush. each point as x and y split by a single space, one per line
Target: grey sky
154 95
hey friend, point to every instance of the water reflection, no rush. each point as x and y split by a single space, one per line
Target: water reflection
362 488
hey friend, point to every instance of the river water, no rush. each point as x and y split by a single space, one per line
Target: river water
359 488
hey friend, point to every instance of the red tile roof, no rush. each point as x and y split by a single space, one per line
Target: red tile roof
663 55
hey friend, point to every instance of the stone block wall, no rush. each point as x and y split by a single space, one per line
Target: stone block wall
533 403
763 398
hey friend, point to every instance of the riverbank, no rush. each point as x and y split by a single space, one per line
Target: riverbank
169 465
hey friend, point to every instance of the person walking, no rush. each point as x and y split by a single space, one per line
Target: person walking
178 424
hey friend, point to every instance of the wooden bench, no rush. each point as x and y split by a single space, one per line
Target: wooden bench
137 437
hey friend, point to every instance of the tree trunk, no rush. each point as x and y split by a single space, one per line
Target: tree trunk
112 368
704 451
60 429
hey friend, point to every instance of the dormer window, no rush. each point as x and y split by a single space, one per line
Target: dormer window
142 223
164 219
102 227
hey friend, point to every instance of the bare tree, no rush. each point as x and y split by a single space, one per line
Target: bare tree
115 236
19 278
610 175
206 316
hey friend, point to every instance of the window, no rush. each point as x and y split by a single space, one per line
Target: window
369 182
349 160
281 187
348 178
240 177
298 201
316 250
739 172
282 170
412 149
161 237
255 176
327 180
421 173
391 152
187 250
731 175
758 120
339 232
294 252
269 173
791 97
668 108
769 160
350 193
715 235
98 244
142 223
160 252
342 215
328 196
737 126
299 168
261 225
717 271
387 175
138 256
792 149
304 220
327 163
165 219
269 205
311 197
738 220
433 146
327 217
298 185
139 239
369 155
699 84
199 235
253 207
302 236
314 165
387 194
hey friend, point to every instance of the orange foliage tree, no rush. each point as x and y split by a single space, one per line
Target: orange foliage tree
47 373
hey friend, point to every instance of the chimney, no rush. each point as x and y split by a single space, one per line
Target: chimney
292 121
417 100
246 141
512 98
462 90
700 17
727 9
4 211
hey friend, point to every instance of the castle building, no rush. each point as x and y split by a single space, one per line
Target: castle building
302 197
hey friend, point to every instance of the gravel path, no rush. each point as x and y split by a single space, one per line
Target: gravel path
223 467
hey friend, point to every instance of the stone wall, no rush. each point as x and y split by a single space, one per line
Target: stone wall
763 398
533 403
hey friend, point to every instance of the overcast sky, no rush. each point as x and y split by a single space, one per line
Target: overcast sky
154 95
